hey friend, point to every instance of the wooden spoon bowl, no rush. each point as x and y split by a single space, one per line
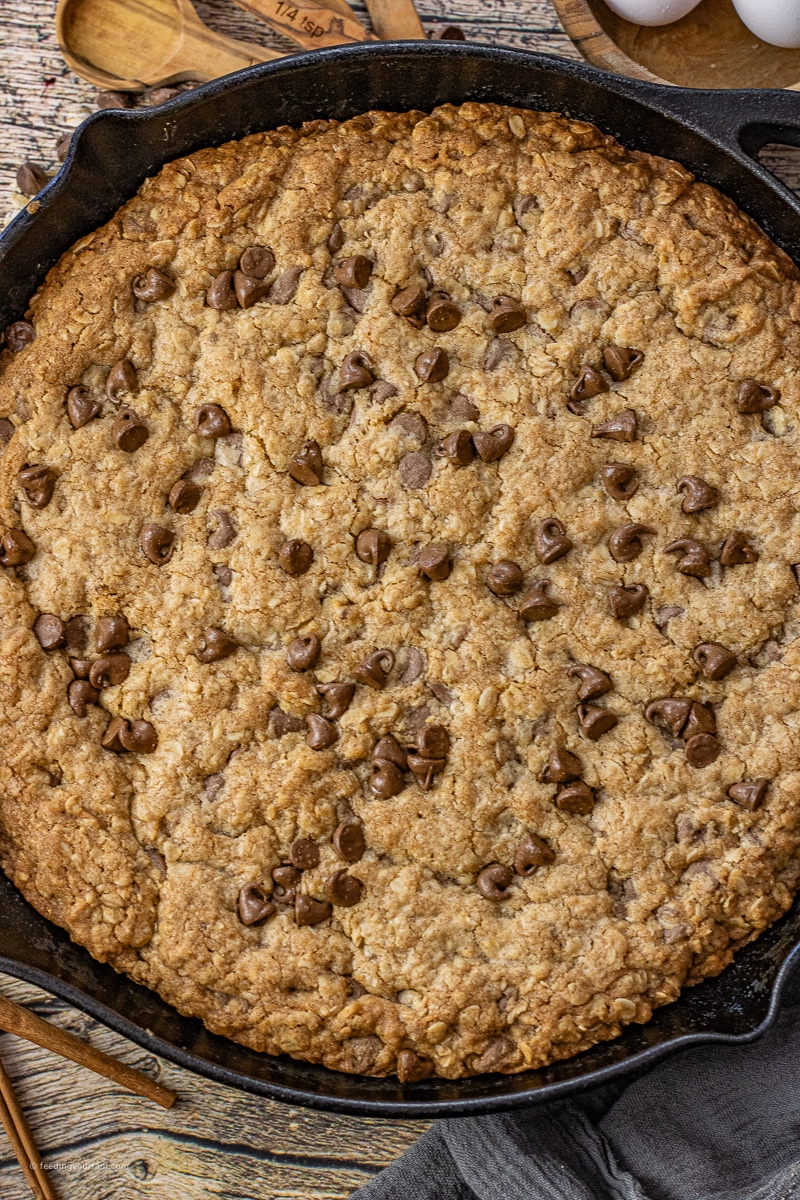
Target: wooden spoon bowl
709 48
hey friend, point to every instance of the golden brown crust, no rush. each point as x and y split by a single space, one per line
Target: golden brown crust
142 856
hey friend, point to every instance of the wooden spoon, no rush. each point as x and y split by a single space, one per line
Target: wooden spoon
130 45
309 23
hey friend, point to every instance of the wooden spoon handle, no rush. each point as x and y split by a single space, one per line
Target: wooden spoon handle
308 23
204 55
395 19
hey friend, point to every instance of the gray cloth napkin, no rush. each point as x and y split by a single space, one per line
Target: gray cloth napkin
709 1123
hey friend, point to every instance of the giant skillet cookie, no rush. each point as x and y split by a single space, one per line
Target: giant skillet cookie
399 623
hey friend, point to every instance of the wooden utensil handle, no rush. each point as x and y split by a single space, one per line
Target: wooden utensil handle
212 55
19 1134
395 20
308 23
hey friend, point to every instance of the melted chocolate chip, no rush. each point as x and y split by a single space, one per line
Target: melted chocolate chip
306 467
576 798
409 301
157 543
590 383
595 721
695 559
714 660
432 741
121 378
129 431
736 550
458 447
627 600
389 750
304 854
593 682
464 409
225 532
285 286
671 711
699 494
756 397
702 750
621 361
81 407
257 262
38 484
16 548
625 543
80 667
620 480
561 767
435 561
386 779
184 496
50 631
505 578
303 652
322 733
111 633
253 905
295 557
286 879
211 421
550 540
80 694
248 290
665 614
356 371
749 793
218 645
535 605
375 669
493 445
415 469
432 366
337 696
153 285
335 238
412 423
442 314
348 841
622 427
109 671
221 295
532 852
353 272
308 911
281 723
410 1067
19 334
506 315
373 546
494 881
701 720
138 737
425 769
343 890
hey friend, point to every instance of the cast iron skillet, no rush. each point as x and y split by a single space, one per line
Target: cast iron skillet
715 134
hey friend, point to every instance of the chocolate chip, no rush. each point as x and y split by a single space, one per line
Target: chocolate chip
699 494
254 905
576 798
348 841
373 546
211 421
257 262
621 361
81 407
701 720
77 635
464 409
80 694
184 496
550 540
672 711
702 750
335 238
493 881
109 671
139 737
110 739
375 669
492 445
433 741
590 383
121 378
129 431
756 397
223 574
593 682
381 391
62 146
19 334
620 480
410 1067
625 543
448 33
343 890
249 291
281 723
285 286
736 549
38 484
627 600
409 301
458 447
31 178
714 660
111 633
308 911
415 665
620 428
50 631
412 423
389 750
749 793
221 295
432 366
304 854
16 548
7 431
225 532
80 667
356 371
561 767
286 879
505 578
532 852
434 561
353 272
303 652
306 467
442 694
595 721
386 779
695 559
153 285
424 769
535 605
665 614
295 557
111 99
337 696
415 469
322 733
506 315
157 543
218 645
441 313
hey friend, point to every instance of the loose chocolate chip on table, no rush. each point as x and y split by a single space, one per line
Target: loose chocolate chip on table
535 605
389 749
50 631
225 532
386 779
373 546
303 652
621 361
111 99
257 262
432 366
424 769
672 711
505 578
433 741
593 682
129 431
306 467
506 315
81 407
109 670
590 383
756 397
16 548
353 272
348 841
218 645
322 733
211 421
254 905
532 852
184 496
695 559
595 721
749 793
620 480
221 295
38 483
19 334
625 600
550 540
31 178
415 469
494 880
435 561
111 633
576 798
410 1067
492 445
622 427
701 720
702 750
410 301
357 371
441 313
736 549
62 146
337 696
157 543
458 447
561 767
295 557
153 285
448 33
699 494
714 660
308 911
343 890
375 669
80 694
625 543
248 290
304 854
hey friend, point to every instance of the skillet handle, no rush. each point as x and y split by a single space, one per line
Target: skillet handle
740 120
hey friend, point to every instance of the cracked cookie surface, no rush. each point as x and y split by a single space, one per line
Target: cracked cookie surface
615 876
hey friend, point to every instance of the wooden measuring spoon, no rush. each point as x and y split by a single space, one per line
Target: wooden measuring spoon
309 23
130 45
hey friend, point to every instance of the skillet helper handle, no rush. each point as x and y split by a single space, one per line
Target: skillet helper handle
742 120
311 25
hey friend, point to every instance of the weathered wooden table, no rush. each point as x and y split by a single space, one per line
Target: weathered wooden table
216 1142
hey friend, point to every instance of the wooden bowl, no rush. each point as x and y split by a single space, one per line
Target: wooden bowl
709 48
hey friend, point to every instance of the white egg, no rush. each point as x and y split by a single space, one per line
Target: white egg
656 12
774 21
